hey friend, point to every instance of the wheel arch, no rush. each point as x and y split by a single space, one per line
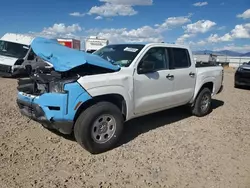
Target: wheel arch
113 98
207 84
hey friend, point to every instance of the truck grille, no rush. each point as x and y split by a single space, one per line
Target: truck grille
246 70
5 68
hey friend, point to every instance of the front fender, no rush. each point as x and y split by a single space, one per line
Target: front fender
105 90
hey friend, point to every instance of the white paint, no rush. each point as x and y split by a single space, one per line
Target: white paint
5 60
149 93
18 38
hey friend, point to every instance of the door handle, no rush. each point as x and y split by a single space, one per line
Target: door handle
170 76
191 74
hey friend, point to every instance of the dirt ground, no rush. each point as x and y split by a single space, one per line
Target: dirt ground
168 149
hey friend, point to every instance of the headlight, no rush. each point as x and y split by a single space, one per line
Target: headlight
58 86
239 69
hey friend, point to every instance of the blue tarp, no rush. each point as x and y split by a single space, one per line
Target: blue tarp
63 58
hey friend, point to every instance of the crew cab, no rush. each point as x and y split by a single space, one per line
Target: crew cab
92 95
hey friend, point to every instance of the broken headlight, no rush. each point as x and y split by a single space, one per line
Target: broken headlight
58 86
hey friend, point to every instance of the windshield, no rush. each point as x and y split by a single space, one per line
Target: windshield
12 49
120 54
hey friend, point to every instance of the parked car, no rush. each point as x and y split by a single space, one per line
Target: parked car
14 50
92 95
16 53
242 75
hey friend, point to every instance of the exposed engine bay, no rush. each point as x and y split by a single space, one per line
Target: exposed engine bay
47 80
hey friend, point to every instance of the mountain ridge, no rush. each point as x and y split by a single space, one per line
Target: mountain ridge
222 52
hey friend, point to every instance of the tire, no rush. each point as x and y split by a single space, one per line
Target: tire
197 107
88 132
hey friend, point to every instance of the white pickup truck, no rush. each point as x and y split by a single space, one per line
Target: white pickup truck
92 95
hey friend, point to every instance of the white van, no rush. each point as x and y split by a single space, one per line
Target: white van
14 50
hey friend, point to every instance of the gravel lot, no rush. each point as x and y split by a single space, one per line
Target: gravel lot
167 149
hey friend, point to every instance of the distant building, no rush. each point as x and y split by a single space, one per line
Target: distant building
231 61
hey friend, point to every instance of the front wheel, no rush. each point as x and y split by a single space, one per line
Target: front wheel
99 127
202 104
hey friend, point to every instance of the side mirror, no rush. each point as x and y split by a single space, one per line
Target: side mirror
146 67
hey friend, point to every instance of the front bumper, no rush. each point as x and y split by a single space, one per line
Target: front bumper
54 110
242 78
36 113
5 70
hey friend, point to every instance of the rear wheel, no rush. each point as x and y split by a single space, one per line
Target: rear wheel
202 105
99 127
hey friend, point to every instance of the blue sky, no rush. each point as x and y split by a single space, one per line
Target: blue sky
212 24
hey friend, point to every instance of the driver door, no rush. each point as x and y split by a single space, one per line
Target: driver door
153 89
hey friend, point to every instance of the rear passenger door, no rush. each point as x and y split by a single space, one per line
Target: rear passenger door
184 72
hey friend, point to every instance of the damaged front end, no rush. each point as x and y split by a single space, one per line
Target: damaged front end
46 98
52 96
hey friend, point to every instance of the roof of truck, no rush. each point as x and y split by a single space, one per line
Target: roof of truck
162 44
18 38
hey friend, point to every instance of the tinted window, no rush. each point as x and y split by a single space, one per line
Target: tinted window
156 55
181 58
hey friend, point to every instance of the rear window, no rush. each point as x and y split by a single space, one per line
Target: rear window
181 58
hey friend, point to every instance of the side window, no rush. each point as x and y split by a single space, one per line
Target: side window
181 58
157 56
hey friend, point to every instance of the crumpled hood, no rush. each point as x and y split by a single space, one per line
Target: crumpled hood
63 58
5 60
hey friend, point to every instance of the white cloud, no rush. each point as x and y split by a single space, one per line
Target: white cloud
213 38
59 31
77 14
201 26
225 38
232 47
118 7
62 28
201 43
129 2
182 39
98 18
244 15
174 22
109 10
143 34
241 31
200 4
196 44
